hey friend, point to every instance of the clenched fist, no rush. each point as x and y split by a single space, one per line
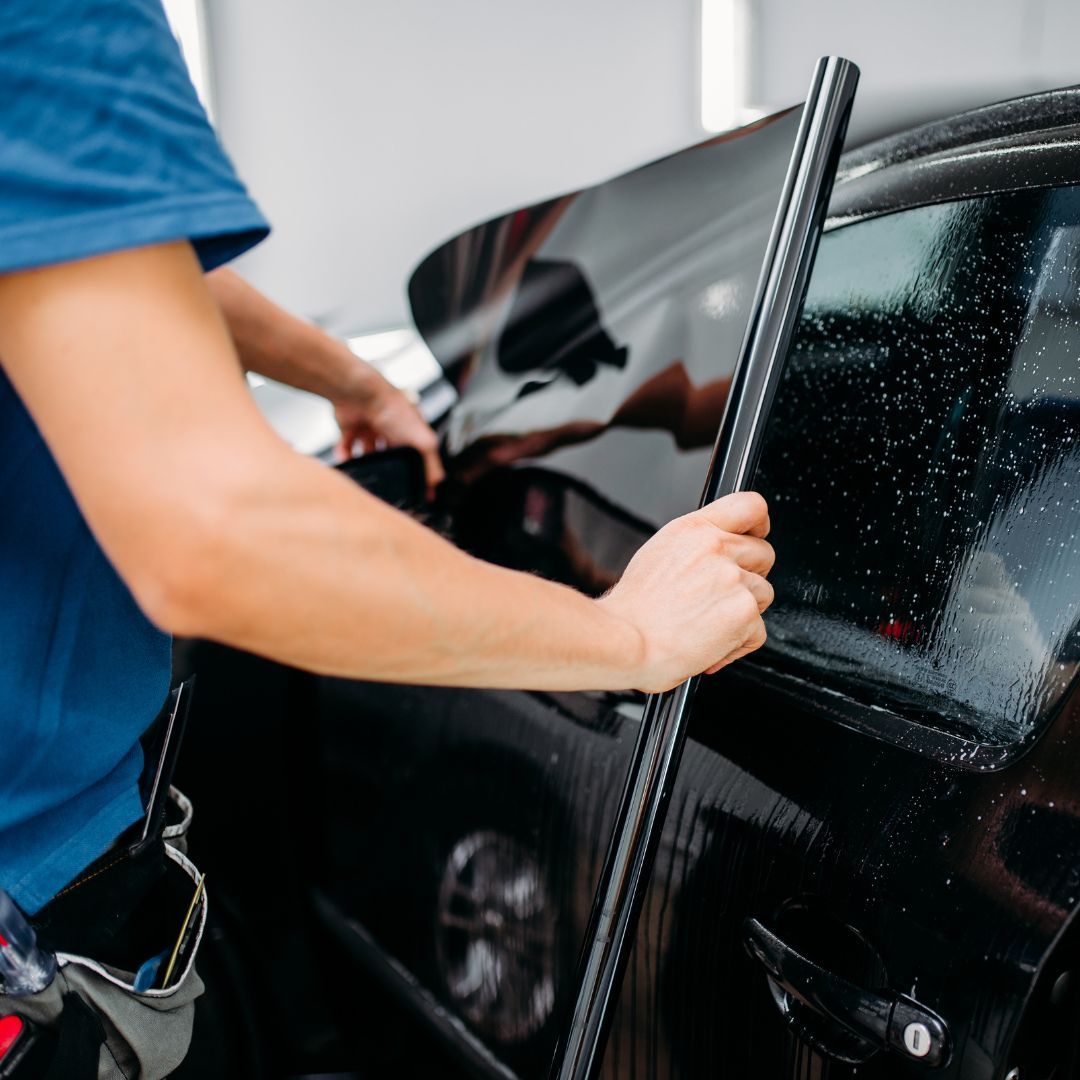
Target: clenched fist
695 592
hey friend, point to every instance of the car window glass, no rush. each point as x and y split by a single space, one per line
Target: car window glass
922 465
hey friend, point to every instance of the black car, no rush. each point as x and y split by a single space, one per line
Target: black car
879 811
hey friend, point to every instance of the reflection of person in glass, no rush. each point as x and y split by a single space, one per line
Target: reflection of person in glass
668 401
554 331
566 323
620 307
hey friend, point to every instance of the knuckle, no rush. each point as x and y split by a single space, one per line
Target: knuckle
748 606
728 573
700 537
756 617
679 525
770 555
700 524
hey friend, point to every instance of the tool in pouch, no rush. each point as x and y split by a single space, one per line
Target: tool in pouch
90 1016
24 969
147 975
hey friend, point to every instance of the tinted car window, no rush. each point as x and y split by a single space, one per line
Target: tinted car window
922 465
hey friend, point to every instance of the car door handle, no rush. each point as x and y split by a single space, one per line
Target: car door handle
877 1020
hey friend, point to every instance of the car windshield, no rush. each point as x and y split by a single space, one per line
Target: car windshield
922 463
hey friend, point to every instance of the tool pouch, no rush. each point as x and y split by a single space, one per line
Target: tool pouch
129 1034
132 904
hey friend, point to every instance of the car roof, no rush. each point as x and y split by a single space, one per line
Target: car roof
1026 142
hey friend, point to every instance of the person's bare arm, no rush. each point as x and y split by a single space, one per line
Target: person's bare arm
221 531
274 343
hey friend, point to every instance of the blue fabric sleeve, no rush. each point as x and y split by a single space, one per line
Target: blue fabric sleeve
103 142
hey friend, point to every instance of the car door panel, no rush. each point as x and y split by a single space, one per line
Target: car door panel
895 803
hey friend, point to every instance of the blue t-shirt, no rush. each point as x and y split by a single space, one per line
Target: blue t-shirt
103 146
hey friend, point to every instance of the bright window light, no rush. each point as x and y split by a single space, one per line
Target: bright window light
186 19
400 355
724 47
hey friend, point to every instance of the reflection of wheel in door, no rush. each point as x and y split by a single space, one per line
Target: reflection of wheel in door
495 936
493 924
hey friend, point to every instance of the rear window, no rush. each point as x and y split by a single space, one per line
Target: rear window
922 466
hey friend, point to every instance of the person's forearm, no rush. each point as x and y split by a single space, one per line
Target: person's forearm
220 530
225 532
368 409
336 555
314 572
272 342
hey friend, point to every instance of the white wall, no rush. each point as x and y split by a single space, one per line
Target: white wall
920 59
369 131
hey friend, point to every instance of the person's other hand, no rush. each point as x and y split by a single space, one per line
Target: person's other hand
695 592
377 415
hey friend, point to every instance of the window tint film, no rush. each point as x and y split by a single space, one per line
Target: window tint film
922 466
595 335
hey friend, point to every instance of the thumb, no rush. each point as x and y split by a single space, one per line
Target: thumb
742 512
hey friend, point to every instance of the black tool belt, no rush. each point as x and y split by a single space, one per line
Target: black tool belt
125 934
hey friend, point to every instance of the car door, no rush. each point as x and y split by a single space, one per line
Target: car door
885 790
592 339
881 809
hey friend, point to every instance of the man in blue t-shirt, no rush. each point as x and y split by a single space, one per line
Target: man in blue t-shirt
87 166
142 494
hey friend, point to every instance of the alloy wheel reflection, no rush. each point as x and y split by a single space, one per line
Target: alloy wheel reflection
495 936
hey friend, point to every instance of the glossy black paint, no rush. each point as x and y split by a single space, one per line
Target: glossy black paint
1028 142
858 1023
955 878
450 824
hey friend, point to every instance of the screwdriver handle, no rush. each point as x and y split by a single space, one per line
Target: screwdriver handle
24 968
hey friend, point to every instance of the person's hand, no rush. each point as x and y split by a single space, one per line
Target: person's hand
376 414
695 592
